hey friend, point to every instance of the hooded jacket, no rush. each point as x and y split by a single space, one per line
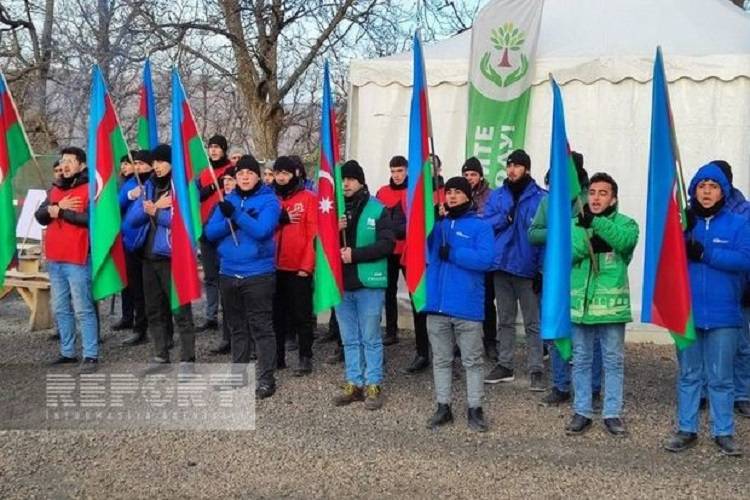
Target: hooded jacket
295 241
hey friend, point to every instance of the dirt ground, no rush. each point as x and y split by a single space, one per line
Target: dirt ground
305 448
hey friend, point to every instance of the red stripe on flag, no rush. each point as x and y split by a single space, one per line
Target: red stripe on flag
143 105
671 305
328 226
105 161
184 263
188 132
416 238
8 118
118 257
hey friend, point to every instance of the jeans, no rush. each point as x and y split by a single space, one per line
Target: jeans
561 369
711 356
612 338
359 321
72 302
510 290
445 332
742 362
248 311
292 312
210 261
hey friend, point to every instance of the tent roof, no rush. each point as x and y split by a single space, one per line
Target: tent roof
590 40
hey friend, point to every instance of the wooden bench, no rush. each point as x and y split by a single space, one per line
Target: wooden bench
33 287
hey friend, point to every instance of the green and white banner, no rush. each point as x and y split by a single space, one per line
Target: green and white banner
503 47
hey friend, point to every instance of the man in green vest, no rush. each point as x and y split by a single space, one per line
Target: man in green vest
367 240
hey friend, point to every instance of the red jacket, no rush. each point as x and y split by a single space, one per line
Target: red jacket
390 198
295 241
205 180
67 236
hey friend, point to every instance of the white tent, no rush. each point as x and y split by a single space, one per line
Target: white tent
601 52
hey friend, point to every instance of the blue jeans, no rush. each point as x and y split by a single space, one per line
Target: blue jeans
712 355
72 301
561 369
612 339
742 362
359 321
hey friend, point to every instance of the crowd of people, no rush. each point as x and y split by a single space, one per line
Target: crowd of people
485 261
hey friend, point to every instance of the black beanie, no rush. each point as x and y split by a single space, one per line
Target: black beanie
286 164
220 141
519 157
726 168
352 170
162 152
127 158
459 183
247 162
143 155
473 165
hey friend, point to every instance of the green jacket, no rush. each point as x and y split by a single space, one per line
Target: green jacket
602 297
538 229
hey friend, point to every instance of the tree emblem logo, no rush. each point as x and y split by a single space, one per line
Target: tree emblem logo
505 39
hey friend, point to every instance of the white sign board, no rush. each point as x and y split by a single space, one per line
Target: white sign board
28 228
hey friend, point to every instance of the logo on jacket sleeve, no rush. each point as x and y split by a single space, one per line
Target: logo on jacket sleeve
370 222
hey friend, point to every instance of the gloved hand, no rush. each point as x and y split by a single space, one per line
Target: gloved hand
445 251
226 207
694 250
585 218
536 284
284 217
599 245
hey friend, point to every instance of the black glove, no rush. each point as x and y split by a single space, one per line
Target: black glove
445 251
599 245
691 219
694 250
226 208
284 217
206 191
536 284
585 218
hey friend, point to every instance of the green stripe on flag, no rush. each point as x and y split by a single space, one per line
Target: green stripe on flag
198 156
142 138
326 291
19 151
7 228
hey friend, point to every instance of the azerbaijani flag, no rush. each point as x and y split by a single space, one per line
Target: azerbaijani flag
15 150
106 145
147 126
189 159
420 217
666 285
564 188
329 282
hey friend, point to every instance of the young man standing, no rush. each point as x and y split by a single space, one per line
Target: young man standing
247 270
603 245
368 240
151 218
65 212
717 244
295 261
510 211
460 253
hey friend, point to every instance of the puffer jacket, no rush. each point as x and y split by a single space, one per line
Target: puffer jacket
138 224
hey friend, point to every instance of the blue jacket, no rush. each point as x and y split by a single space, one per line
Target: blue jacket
456 287
514 253
717 281
122 194
255 219
137 225
737 204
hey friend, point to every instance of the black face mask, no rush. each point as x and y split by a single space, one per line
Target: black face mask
288 188
517 187
144 176
458 210
162 182
220 162
700 211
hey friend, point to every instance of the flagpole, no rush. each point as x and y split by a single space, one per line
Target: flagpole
23 129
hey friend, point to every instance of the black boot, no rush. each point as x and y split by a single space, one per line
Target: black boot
727 446
681 441
223 348
578 425
443 415
135 339
475 417
304 367
419 364
123 324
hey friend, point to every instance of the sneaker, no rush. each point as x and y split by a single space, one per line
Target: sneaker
63 360
555 397
681 441
374 397
265 391
418 365
89 365
349 394
499 374
390 339
135 339
727 446
537 382
578 425
615 426
475 419
442 416
742 408
304 367
337 356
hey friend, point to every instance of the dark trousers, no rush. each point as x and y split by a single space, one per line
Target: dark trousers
292 312
133 300
391 309
333 326
248 311
157 282
210 261
490 313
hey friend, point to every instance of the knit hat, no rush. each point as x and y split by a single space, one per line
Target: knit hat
473 165
229 172
126 157
143 155
247 162
459 183
219 140
519 157
726 168
352 170
286 164
162 152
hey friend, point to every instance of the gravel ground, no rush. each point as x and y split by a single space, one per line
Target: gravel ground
305 448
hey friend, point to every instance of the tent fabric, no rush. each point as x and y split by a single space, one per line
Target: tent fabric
607 96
